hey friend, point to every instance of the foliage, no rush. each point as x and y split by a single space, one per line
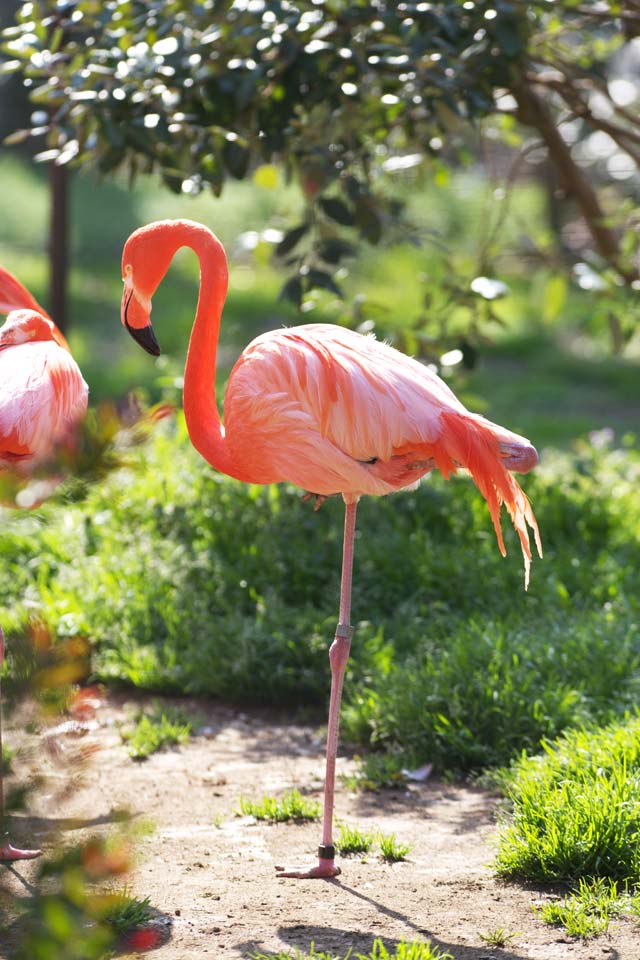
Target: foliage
291 806
162 726
391 849
64 918
230 591
377 771
576 808
207 93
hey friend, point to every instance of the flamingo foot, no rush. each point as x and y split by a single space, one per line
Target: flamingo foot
323 870
318 499
9 853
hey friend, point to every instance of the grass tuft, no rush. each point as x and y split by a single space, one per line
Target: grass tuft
414 950
588 909
576 809
500 937
291 806
353 840
124 912
163 726
392 850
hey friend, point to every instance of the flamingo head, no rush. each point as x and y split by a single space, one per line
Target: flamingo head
24 326
145 260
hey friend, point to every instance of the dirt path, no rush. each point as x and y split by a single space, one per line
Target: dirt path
212 873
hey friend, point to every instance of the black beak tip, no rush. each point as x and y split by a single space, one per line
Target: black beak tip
146 338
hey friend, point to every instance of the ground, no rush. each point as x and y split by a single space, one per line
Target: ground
211 874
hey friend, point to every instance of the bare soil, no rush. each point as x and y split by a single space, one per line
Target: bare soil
211 874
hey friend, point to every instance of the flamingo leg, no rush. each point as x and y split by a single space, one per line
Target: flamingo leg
338 657
7 851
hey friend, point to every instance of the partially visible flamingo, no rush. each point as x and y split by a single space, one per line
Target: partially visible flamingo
42 395
330 410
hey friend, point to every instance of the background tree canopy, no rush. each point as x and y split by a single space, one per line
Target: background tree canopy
346 96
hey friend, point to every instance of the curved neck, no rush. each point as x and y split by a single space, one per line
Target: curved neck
199 396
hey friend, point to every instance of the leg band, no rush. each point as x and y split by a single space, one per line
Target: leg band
327 851
344 630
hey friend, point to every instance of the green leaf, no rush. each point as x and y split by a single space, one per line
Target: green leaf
337 210
236 158
291 239
323 280
369 220
292 291
554 297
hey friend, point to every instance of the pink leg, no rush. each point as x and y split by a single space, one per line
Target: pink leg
7 851
338 657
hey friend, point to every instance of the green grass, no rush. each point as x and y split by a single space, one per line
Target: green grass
498 937
124 912
576 809
353 840
415 950
292 806
588 910
392 850
162 726
186 582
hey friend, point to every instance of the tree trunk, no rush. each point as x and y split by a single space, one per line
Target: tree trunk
58 244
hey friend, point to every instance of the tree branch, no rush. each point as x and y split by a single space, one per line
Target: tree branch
533 112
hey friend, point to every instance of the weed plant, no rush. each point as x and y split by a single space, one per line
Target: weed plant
498 937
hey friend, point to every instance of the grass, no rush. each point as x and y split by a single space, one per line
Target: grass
292 806
391 849
162 726
124 912
588 910
230 591
353 840
414 950
576 809
498 937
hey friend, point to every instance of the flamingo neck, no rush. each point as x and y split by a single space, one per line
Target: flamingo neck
199 397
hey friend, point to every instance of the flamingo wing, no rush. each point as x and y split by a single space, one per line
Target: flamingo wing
333 411
42 393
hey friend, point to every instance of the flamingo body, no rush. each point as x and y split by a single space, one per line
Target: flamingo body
42 395
328 409
42 392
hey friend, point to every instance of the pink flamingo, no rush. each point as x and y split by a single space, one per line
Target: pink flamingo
42 394
330 410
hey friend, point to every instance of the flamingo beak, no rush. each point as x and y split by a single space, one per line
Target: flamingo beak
135 318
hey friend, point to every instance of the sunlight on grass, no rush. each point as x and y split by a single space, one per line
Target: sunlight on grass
576 809
291 806
589 908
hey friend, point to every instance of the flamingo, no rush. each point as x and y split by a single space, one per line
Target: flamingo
42 395
327 409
